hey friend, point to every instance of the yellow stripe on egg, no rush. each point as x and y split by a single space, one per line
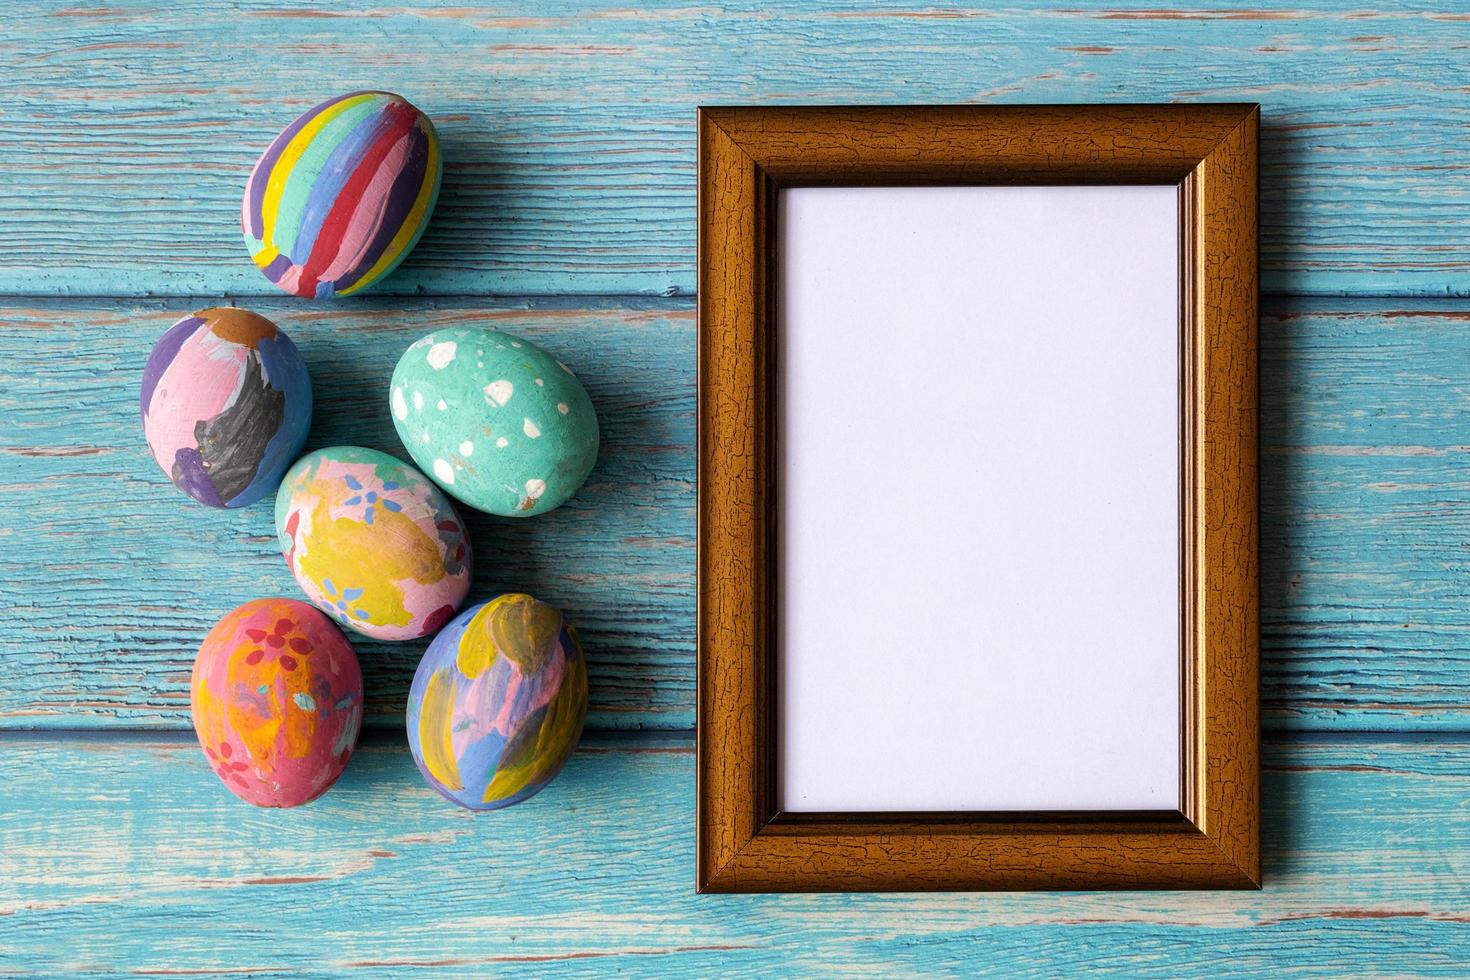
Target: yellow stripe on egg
276 186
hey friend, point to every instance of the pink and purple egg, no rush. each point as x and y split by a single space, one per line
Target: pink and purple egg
226 405
373 542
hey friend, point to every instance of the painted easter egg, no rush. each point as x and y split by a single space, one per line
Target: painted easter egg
498 702
498 422
372 542
342 195
226 403
276 697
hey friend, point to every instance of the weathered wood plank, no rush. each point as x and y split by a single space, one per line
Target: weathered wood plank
568 127
1365 507
121 856
108 576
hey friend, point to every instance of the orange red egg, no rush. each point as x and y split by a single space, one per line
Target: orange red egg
276 698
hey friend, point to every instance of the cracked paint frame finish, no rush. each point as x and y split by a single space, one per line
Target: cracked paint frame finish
746 155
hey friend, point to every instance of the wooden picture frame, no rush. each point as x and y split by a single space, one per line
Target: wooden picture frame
746 156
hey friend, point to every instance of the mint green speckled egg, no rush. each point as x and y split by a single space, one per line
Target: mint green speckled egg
498 422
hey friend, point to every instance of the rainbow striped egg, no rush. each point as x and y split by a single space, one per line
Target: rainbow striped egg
342 195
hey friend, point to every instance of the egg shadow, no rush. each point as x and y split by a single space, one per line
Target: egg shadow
381 765
457 253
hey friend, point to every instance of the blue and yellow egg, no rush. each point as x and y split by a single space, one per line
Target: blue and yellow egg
498 702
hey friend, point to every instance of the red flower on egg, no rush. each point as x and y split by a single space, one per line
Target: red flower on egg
224 766
278 640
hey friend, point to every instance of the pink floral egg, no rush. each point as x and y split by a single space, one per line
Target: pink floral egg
276 697
372 542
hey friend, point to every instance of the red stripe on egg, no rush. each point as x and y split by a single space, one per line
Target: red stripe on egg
339 219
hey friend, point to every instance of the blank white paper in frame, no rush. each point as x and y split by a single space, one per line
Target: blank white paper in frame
978 417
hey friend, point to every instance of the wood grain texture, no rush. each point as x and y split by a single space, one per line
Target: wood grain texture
116 575
1364 504
568 127
1021 144
746 154
569 131
120 856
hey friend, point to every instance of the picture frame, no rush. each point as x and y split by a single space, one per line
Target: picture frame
747 841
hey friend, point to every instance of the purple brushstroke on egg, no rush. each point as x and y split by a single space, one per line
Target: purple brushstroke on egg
262 173
400 201
163 355
278 267
190 476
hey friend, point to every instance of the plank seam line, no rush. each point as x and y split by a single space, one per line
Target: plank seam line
594 738
680 298
370 738
376 302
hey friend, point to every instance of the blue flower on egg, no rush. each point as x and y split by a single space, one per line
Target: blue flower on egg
343 601
370 499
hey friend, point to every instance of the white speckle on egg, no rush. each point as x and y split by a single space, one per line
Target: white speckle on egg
499 392
443 471
535 488
441 355
533 422
400 407
418 399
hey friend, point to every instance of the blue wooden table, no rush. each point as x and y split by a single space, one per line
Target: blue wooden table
126 132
